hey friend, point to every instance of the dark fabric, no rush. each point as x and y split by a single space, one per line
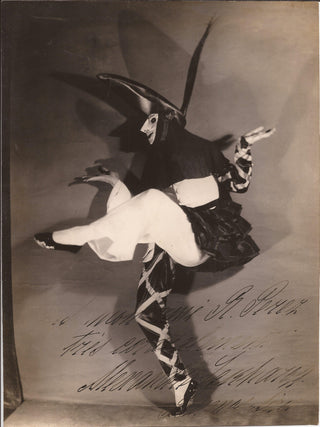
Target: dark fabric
182 155
223 234
209 205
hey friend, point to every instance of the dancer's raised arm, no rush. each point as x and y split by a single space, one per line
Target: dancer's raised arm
238 175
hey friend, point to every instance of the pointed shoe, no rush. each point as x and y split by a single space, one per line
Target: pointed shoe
46 241
190 392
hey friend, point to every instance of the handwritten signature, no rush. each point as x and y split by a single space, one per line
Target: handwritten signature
243 302
267 301
124 377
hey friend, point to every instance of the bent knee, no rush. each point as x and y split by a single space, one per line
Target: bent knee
153 195
191 258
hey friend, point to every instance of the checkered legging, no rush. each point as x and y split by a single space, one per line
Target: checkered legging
154 286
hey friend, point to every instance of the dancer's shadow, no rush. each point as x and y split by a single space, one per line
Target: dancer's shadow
275 219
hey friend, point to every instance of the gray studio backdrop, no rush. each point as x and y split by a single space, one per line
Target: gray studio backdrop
250 336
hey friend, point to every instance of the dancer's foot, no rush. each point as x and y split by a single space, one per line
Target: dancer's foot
46 241
184 392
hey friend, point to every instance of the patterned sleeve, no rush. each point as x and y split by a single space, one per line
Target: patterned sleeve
238 175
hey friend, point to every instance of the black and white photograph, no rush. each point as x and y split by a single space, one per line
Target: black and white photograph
160 193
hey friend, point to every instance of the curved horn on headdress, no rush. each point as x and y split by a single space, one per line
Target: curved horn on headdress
140 96
192 72
149 101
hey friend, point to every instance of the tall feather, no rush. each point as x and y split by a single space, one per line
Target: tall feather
192 72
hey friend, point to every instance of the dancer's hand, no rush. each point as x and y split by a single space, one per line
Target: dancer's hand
79 180
258 134
106 176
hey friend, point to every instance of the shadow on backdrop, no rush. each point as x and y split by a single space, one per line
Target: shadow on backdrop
276 226
167 69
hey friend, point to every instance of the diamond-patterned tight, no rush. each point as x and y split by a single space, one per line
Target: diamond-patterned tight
154 286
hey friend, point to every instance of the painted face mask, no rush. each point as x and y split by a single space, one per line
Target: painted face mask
150 127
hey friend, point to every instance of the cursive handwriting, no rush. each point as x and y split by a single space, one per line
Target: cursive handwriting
267 301
86 343
244 302
284 377
271 405
205 344
92 342
124 377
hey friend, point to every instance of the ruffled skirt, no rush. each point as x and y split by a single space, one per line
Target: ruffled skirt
223 233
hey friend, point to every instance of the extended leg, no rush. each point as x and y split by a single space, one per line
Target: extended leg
119 195
149 217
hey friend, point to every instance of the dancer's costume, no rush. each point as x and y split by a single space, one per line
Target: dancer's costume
180 157
222 233
219 230
193 173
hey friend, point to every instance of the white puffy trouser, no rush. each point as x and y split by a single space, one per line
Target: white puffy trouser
150 217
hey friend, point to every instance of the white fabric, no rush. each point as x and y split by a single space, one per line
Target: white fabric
150 217
197 191
119 195
190 192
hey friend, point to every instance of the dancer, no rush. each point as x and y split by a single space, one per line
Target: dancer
187 217
179 231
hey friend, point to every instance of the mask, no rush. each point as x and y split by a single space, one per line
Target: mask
150 127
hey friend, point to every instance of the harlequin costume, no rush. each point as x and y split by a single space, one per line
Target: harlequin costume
187 216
